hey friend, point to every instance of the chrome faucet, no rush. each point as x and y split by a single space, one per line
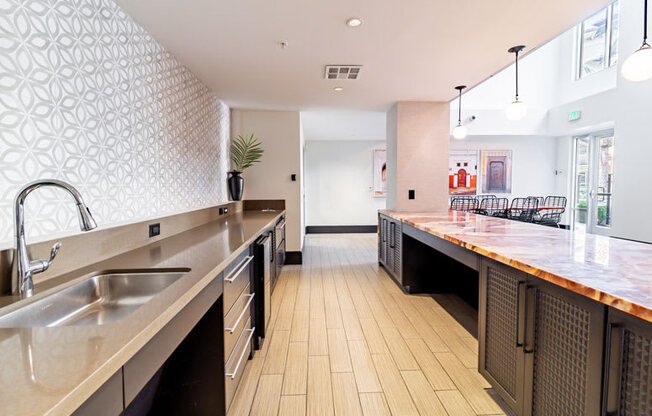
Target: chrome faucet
23 267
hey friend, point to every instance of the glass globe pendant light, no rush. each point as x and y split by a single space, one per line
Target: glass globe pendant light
638 66
517 110
460 131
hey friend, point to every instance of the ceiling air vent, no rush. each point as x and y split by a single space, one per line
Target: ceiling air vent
342 71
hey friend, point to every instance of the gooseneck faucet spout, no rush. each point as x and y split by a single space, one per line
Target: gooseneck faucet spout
23 267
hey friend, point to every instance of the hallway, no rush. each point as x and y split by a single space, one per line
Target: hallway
347 341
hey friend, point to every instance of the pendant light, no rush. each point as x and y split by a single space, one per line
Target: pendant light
460 131
517 110
638 66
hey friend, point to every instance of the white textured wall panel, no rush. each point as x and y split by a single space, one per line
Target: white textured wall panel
89 97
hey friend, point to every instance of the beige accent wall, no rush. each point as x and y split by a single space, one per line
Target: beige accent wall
391 156
418 135
280 134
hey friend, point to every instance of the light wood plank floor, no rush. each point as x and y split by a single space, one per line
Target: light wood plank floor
345 340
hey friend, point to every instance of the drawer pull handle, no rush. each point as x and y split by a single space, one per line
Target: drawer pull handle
240 268
242 314
233 373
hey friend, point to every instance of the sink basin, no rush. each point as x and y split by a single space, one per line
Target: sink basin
96 300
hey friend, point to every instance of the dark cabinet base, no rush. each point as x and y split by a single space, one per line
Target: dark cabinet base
427 270
191 381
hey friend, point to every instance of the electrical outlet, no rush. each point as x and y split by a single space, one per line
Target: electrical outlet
411 194
221 211
154 229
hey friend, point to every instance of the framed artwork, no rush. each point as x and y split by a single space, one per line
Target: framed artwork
496 171
462 172
380 172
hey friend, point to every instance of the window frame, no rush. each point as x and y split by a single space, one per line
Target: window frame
579 56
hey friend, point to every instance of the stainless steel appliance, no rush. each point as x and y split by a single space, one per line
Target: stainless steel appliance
279 247
263 264
238 299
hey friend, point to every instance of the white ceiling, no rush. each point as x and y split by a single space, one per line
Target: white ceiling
344 125
410 49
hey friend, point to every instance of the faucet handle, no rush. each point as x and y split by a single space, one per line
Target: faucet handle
53 252
39 266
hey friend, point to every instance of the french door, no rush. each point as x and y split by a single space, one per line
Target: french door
592 182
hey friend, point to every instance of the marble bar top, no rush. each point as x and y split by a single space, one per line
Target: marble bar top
52 371
612 271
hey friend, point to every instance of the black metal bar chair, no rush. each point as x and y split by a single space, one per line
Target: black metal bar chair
555 206
464 204
540 199
481 197
498 207
462 198
523 209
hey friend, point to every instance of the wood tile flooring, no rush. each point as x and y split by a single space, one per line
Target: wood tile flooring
347 341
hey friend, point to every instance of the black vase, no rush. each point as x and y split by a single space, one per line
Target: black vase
236 185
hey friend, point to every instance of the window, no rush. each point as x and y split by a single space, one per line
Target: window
598 40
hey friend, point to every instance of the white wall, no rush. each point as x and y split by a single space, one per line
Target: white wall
339 182
605 100
280 134
633 142
533 161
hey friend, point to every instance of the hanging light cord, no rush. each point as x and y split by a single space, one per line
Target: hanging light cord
517 74
645 23
459 114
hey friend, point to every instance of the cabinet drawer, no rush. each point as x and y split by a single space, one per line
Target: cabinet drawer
236 279
235 365
235 320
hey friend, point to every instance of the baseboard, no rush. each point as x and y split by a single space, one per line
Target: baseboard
293 257
341 229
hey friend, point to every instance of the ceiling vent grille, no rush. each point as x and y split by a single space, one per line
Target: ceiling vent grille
342 71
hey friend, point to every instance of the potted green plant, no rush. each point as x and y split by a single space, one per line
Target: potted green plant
245 151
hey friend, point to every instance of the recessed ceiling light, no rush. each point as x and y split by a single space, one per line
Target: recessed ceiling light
338 89
354 22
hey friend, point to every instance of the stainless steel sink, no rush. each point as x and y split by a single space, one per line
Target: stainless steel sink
96 300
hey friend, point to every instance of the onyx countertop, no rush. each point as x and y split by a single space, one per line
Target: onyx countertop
615 272
52 371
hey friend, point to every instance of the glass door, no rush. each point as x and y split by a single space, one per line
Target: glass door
593 179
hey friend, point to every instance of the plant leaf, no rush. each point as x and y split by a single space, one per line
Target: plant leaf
245 151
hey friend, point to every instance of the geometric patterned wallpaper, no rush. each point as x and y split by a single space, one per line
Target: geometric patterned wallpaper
89 97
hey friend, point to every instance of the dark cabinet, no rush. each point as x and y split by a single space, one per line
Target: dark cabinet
382 240
563 351
540 345
389 246
501 330
628 365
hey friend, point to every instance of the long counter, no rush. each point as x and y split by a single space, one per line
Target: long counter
615 272
52 371
563 318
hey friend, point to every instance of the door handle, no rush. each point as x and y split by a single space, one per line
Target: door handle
234 372
520 311
240 268
392 228
613 364
530 319
242 314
